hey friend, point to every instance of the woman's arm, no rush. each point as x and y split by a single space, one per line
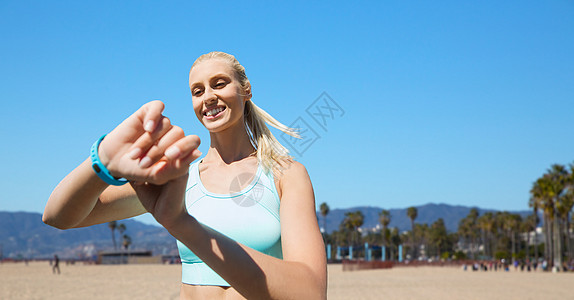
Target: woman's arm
302 274
145 147
83 199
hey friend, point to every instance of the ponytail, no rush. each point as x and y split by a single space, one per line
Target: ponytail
270 152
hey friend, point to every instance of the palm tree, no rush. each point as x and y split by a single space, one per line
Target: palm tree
412 213
113 225
552 185
352 221
464 233
563 208
324 208
486 224
127 241
512 224
468 228
385 219
423 237
541 200
571 228
121 228
473 223
529 225
395 239
534 204
341 236
438 236
564 205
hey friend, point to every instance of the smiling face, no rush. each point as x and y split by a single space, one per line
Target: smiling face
218 98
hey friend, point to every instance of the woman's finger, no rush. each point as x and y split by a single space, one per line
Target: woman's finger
157 150
189 153
187 160
151 115
166 170
141 147
183 147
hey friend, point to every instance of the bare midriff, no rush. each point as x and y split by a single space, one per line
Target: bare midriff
189 291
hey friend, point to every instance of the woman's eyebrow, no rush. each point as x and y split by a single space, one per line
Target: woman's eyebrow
195 84
218 76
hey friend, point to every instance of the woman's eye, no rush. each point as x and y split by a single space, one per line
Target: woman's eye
220 83
196 92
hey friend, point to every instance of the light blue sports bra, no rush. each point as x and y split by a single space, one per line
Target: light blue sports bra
249 216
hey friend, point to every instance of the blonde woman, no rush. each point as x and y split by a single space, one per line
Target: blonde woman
243 215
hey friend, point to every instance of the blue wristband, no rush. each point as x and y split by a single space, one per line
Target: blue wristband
99 167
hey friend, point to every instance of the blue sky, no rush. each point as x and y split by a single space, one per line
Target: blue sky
445 102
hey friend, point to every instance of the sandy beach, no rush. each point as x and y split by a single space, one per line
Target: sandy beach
36 281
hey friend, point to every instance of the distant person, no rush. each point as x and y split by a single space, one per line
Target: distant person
243 215
56 265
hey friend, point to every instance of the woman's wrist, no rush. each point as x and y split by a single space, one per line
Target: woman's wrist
100 167
102 154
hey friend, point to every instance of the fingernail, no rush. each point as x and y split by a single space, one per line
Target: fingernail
149 126
172 152
145 162
135 153
197 153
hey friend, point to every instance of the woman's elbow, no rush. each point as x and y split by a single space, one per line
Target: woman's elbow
318 281
51 219
318 292
321 294
322 291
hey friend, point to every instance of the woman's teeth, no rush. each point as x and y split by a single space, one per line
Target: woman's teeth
214 111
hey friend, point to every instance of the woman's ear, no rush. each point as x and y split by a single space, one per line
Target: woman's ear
247 91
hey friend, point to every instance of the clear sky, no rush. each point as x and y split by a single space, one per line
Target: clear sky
451 102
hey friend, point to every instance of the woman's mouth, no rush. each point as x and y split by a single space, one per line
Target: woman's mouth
214 112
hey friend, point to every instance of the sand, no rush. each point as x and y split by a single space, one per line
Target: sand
36 281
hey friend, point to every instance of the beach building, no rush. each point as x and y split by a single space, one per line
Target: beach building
128 257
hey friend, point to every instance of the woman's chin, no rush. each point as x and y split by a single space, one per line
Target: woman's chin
215 127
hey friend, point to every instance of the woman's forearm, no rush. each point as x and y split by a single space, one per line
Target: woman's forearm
74 197
253 274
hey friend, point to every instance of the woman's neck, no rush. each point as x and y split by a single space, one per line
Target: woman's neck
230 145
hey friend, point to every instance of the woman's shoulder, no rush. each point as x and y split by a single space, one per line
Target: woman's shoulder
291 170
284 171
294 167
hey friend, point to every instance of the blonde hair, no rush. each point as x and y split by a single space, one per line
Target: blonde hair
270 153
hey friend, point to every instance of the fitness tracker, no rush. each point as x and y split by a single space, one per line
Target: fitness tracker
99 167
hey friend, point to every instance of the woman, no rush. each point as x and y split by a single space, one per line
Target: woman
234 240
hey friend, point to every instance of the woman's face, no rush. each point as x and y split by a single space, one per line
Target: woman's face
218 99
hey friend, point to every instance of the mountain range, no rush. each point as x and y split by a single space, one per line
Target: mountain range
24 235
426 214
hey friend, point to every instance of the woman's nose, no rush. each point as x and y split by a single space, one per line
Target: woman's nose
209 97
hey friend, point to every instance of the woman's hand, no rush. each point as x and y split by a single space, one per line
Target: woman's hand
146 147
165 202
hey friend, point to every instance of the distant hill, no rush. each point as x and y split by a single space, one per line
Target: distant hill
427 214
23 234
